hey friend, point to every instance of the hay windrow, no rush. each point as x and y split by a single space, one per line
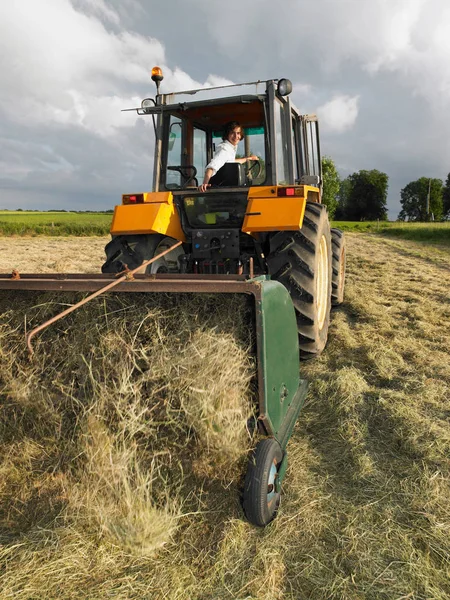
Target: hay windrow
115 480
124 403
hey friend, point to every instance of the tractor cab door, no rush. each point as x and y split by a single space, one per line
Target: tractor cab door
184 153
306 134
296 149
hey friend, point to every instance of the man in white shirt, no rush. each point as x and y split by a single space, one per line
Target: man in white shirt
226 152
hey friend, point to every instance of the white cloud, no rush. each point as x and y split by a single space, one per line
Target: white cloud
97 8
339 114
75 72
375 69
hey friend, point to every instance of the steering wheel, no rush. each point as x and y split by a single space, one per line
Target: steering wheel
181 169
250 169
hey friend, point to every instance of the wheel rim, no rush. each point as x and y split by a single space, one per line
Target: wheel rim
167 263
271 491
322 283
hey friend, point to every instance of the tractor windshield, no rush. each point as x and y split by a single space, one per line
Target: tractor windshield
192 135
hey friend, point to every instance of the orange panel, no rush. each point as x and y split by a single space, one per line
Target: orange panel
272 213
159 197
150 217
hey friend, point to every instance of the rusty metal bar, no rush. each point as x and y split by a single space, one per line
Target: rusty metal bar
143 284
15 276
126 277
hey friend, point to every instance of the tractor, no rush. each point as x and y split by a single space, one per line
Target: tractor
263 217
260 229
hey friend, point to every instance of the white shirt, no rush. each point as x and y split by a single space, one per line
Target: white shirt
225 153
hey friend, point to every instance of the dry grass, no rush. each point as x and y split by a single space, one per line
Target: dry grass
120 471
61 255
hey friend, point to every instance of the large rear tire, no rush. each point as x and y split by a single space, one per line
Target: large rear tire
301 261
338 263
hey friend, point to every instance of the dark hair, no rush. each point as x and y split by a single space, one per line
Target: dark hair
228 128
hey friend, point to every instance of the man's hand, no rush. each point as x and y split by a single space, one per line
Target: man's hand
204 187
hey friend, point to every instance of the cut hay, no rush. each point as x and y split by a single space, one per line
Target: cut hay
126 404
116 480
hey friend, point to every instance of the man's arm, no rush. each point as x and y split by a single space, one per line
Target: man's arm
246 159
208 174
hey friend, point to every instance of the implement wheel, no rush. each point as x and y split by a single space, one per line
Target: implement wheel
133 250
261 500
301 261
338 275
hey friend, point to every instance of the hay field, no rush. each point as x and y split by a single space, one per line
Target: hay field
52 254
117 479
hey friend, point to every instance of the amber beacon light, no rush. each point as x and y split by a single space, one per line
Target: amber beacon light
157 77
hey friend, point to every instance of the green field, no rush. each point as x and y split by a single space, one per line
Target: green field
93 224
438 233
54 223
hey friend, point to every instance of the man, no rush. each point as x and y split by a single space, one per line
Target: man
226 152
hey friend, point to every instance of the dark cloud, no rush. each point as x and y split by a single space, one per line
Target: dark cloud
377 74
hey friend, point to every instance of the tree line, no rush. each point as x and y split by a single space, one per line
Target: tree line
362 196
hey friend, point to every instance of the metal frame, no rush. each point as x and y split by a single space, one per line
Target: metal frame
161 282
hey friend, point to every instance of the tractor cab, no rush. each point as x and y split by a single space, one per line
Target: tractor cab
189 127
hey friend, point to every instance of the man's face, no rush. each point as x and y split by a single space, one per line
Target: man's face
235 136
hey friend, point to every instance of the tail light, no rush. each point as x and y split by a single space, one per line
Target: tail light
290 191
133 199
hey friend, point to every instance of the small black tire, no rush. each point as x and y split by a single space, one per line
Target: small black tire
338 252
261 500
301 261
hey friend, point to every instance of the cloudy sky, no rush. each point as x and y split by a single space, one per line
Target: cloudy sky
377 73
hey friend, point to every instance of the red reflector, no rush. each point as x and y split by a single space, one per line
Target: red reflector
288 191
132 198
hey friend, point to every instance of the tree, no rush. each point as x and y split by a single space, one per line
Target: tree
344 191
414 200
363 196
331 185
446 198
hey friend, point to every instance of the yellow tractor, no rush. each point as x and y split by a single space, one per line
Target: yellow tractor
259 217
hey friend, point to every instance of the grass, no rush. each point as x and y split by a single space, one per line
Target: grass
123 446
54 223
436 233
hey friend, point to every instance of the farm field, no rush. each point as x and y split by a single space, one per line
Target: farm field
54 223
117 478
52 254
438 233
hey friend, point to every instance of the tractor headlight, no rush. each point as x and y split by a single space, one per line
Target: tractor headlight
284 87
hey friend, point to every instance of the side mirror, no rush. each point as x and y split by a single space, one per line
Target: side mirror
313 180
